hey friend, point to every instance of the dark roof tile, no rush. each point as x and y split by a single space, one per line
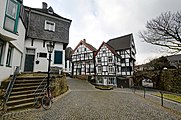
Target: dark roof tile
122 42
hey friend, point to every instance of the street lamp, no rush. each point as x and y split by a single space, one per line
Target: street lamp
50 48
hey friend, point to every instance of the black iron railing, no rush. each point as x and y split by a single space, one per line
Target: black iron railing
10 86
40 90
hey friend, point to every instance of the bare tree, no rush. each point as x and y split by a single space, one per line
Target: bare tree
165 30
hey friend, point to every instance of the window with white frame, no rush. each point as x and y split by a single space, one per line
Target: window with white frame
98 60
111 80
49 25
99 80
110 59
99 69
111 69
12 16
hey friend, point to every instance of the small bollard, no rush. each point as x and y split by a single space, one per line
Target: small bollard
144 92
161 97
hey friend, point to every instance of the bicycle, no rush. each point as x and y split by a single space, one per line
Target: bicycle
45 101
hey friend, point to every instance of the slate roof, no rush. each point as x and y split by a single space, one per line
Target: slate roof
122 42
46 11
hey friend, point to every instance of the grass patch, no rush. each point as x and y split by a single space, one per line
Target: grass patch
101 87
175 98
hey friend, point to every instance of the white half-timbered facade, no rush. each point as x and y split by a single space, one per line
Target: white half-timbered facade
83 62
125 48
107 64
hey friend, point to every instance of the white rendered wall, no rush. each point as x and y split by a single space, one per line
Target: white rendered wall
17 52
2 11
43 62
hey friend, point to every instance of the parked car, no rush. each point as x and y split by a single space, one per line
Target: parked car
147 83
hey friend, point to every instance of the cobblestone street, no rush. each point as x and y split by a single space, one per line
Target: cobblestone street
85 102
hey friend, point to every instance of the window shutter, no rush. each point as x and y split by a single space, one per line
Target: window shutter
58 57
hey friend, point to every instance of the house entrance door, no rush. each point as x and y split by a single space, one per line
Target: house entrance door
78 71
29 60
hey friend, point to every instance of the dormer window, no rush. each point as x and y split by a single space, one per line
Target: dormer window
50 10
50 26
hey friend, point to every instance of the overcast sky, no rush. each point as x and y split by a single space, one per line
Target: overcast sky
101 20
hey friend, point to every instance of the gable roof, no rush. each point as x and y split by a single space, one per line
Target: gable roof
122 42
93 49
46 11
109 47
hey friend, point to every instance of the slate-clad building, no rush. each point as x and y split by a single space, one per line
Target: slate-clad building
83 61
44 25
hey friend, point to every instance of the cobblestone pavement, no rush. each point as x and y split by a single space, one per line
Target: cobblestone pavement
84 102
149 95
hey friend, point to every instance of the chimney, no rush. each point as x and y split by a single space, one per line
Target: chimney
44 5
84 40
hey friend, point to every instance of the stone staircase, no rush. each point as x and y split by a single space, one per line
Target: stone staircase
22 95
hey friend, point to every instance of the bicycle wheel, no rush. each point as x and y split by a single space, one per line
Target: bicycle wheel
46 102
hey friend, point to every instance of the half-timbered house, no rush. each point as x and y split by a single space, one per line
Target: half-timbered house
125 48
107 64
83 62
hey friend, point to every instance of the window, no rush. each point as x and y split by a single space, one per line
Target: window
111 80
99 69
126 69
98 60
11 16
111 69
1 50
110 59
123 60
49 25
30 51
58 57
99 80
9 56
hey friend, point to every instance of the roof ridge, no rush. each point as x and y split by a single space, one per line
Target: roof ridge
121 36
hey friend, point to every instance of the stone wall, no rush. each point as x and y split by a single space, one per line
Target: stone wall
168 80
81 77
59 85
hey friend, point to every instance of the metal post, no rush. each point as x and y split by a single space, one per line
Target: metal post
48 79
161 98
144 92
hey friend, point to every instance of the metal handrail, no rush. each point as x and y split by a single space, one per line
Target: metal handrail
38 94
10 86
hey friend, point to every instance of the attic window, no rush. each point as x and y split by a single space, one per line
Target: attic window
49 11
50 26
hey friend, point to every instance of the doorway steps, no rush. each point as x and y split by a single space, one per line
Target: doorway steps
22 95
